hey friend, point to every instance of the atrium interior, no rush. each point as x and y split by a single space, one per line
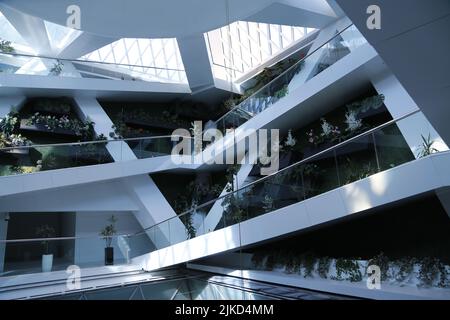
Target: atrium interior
230 150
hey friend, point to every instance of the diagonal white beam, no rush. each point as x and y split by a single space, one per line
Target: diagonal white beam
194 54
31 29
84 44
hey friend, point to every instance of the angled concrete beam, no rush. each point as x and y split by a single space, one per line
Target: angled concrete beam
194 53
31 29
84 44
413 42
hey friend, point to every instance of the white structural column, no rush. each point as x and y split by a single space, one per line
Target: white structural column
194 53
316 52
215 213
3 234
153 207
413 42
84 44
399 103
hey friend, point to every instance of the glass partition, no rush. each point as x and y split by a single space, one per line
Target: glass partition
321 58
35 158
16 63
376 150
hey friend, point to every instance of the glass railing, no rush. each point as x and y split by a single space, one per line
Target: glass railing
366 154
362 156
18 63
24 256
333 50
35 158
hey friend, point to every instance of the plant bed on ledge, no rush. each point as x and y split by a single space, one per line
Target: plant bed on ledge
58 125
26 126
15 143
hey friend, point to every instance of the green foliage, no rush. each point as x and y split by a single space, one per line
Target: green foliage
270 262
347 269
234 208
428 271
230 174
323 266
365 105
308 262
16 169
191 232
355 172
268 204
282 92
52 123
109 231
53 106
258 258
382 262
293 263
50 162
444 281
45 231
57 68
405 268
427 147
10 123
6 47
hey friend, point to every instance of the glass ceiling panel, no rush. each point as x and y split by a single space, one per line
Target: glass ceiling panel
60 36
241 46
157 58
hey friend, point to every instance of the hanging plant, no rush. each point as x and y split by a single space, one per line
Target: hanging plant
6 47
367 104
353 123
57 68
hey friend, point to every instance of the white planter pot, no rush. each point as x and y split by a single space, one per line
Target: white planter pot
47 262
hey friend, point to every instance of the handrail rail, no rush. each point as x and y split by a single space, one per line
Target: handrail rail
286 71
91 142
88 61
368 132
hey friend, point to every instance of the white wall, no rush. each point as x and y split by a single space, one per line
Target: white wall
89 224
399 103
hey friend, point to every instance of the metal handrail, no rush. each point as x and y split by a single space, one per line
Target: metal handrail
86 61
286 71
366 133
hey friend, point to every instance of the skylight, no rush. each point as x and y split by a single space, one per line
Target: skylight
241 46
60 36
153 59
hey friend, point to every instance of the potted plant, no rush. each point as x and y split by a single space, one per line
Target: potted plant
108 233
45 231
